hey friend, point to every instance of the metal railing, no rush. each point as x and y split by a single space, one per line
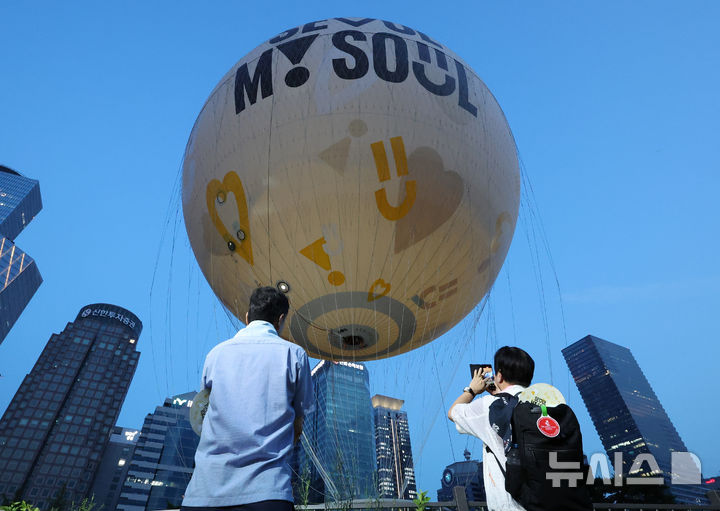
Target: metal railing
394 504
462 504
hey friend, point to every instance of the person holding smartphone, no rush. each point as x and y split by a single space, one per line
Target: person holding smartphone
487 416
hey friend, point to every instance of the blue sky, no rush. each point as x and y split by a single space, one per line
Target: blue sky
614 107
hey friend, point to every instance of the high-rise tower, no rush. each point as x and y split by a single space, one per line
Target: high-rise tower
164 458
113 467
58 424
19 277
396 474
627 415
337 457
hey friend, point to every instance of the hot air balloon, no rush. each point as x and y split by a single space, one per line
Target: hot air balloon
364 169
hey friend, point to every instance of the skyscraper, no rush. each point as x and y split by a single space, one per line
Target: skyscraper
396 474
337 457
627 414
19 277
164 458
113 467
57 425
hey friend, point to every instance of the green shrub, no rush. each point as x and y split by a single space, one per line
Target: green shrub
421 501
19 506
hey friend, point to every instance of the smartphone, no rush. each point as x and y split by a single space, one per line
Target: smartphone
486 368
475 367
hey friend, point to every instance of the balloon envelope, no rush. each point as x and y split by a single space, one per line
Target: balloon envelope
363 168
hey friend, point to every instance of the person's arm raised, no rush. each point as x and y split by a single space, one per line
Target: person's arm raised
477 385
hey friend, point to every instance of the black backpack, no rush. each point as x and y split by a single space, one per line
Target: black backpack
528 449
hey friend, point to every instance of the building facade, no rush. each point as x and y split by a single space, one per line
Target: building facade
113 467
336 458
163 460
19 276
56 428
396 473
627 415
468 473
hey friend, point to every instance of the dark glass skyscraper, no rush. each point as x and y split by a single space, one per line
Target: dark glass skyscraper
164 458
337 456
19 277
113 467
58 424
19 202
396 474
627 414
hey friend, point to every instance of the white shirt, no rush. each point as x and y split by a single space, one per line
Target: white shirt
473 419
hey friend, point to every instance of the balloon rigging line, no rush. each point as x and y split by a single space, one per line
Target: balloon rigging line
543 235
528 228
442 394
442 401
479 310
512 308
187 320
169 307
174 193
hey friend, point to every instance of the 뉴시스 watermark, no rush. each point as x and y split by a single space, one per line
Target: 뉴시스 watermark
685 468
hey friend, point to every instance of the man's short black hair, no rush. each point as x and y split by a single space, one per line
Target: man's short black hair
515 365
267 304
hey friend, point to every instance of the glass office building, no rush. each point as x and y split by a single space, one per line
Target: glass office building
337 456
627 415
19 202
164 458
56 428
19 279
396 474
113 467
19 276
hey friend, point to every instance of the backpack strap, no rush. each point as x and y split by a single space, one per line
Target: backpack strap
487 449
500 417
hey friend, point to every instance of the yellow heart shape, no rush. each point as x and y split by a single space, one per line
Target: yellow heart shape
373 295
217 191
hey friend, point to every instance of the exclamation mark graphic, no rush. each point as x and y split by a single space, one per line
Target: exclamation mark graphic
315 251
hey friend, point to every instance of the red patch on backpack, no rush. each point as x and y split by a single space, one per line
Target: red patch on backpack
548 426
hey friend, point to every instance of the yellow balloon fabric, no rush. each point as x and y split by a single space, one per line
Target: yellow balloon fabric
363 168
